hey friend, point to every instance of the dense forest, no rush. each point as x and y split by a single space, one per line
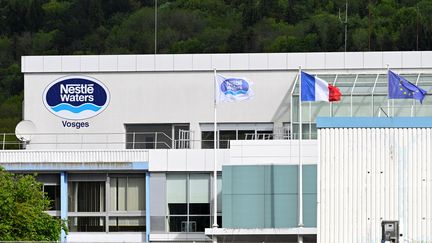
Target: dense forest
72 27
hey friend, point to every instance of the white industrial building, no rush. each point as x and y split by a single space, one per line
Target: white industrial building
124 146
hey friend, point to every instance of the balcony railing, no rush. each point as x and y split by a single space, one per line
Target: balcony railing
132 140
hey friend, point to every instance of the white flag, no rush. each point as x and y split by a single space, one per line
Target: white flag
233 89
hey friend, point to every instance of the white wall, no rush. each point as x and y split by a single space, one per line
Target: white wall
74 156
166 97
162 160
226 62
369 175
252 152
106 237
179 88
242 152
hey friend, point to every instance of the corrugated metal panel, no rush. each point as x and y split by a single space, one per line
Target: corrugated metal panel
367 175
10 156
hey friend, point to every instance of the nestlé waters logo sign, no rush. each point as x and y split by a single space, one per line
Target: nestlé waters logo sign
76 97
234 86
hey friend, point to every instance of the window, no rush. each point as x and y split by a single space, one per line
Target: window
247 134
199 202
234 131
207 139
265 135
188 202
86 224
225 137
51 189
86 196
52 192
156 136
364 94
219 200
309 131
127 195
107 202
127 224
177 202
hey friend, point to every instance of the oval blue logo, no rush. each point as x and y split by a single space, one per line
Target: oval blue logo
234 86
76 97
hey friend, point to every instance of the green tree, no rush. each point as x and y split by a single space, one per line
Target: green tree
405 23
424 8
10 81
133 35
22 206
5 50
360 39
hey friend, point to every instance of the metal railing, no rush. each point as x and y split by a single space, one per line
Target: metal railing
131 140
149 140
414 110
280 136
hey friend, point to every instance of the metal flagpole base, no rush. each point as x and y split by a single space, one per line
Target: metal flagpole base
215 226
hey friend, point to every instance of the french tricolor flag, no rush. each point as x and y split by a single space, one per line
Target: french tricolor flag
316 89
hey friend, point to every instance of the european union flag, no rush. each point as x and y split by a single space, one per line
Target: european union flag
400 88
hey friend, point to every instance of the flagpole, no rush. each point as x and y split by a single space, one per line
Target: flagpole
388 100
300 168
215 225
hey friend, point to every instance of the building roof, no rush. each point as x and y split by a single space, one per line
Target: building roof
374 122
226 62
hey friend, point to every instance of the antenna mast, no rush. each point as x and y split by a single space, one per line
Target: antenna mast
345 22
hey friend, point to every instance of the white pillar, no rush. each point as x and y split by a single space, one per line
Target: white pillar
64 202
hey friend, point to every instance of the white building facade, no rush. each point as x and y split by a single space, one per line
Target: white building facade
124 143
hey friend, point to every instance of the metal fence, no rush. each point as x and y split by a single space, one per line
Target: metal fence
131 140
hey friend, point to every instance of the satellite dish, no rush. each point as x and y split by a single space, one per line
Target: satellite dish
24 130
